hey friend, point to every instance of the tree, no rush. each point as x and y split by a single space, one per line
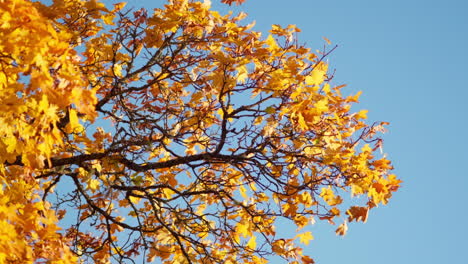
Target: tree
181 135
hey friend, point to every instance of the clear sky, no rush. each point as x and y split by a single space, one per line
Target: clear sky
409 59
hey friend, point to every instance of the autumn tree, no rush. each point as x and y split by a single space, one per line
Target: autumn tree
178 135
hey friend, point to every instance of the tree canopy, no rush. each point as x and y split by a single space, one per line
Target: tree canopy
177 135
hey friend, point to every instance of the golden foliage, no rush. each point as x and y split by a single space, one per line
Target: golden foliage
182 131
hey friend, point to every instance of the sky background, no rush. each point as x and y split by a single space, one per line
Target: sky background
409 59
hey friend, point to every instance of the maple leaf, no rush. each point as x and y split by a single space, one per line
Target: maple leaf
357 213
252 244
243 229
305 237
329 196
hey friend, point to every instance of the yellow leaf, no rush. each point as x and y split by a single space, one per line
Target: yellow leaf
316 77
305 238
270 41
134 199
74 125
366 148
95 5
97 167
252 244
326 88
118 70
354 98
119 6
3 80
329 196
93 184
259 260
243 229
168 193
361 114
242 191
43 104
305 198
242 74
302 122
10 142
108 19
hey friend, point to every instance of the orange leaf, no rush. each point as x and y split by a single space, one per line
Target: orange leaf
342 229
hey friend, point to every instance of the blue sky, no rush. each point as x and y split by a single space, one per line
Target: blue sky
409 59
